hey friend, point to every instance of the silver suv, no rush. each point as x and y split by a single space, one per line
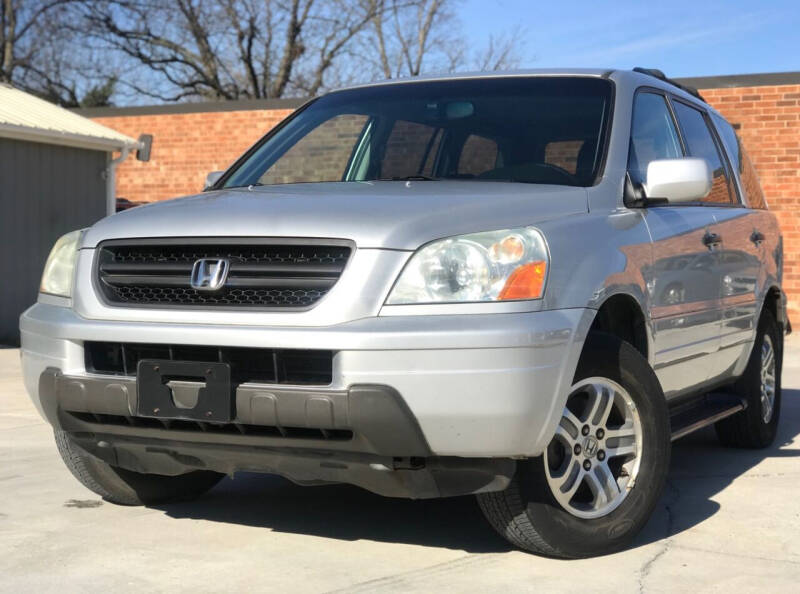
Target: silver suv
521 286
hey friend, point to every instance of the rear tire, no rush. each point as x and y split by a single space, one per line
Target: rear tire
124 487
760 385
528 513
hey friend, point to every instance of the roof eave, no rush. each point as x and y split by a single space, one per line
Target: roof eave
65 139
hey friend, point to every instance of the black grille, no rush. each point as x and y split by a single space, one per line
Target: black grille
269 366
267 275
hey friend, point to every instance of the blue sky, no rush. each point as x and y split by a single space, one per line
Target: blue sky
682 38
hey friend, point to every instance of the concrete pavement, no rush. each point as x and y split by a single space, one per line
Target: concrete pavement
729 521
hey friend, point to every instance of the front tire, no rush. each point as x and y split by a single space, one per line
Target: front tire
573 501
125 487
760 385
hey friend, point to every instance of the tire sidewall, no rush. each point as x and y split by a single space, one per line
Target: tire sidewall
126 487
749 385
608 357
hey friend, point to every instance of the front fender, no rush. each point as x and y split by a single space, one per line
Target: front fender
596 256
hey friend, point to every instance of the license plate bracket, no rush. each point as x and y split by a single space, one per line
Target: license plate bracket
156 399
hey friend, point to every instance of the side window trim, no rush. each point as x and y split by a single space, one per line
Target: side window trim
665 95
360 149
673 118
732 171
735 197
726 161
717 120
675 122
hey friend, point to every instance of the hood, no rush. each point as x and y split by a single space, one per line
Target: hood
394 215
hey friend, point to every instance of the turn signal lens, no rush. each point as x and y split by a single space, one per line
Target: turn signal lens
526 282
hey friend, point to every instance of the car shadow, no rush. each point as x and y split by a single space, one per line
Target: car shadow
343 512
700 469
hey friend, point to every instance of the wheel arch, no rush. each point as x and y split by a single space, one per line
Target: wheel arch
622 315
775 302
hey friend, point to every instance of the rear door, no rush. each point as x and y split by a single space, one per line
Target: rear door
754 229
683 288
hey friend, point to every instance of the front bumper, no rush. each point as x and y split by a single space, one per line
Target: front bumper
470 386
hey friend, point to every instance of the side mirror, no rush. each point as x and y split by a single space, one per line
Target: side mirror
211 179
678 180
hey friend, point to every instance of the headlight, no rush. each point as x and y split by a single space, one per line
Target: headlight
493 266
60 266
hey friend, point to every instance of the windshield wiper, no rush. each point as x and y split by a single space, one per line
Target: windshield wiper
409 178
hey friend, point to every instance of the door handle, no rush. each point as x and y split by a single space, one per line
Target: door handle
757 237
712 240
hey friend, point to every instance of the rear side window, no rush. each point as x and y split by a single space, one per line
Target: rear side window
653 135
741 161
700 143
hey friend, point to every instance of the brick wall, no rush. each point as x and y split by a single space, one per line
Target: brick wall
187 146
768 120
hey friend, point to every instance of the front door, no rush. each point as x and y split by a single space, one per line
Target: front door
737 254
683 288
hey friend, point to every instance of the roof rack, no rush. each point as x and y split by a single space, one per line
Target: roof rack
661 76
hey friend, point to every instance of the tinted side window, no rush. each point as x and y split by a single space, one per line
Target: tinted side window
741 161
564 154
751 186
406 147
478 155
653 135
433 152
700 143
321 155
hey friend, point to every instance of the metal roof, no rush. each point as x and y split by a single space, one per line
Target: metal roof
483 74
26 117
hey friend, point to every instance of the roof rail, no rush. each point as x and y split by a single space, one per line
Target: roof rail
661 76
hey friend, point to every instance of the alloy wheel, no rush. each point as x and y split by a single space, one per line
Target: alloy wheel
593 459
767 379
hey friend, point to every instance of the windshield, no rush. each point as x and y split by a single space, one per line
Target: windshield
545 130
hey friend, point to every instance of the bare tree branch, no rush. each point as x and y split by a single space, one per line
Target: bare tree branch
227 49
411 37
176 50
8 18
501 51
377 23
40 55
